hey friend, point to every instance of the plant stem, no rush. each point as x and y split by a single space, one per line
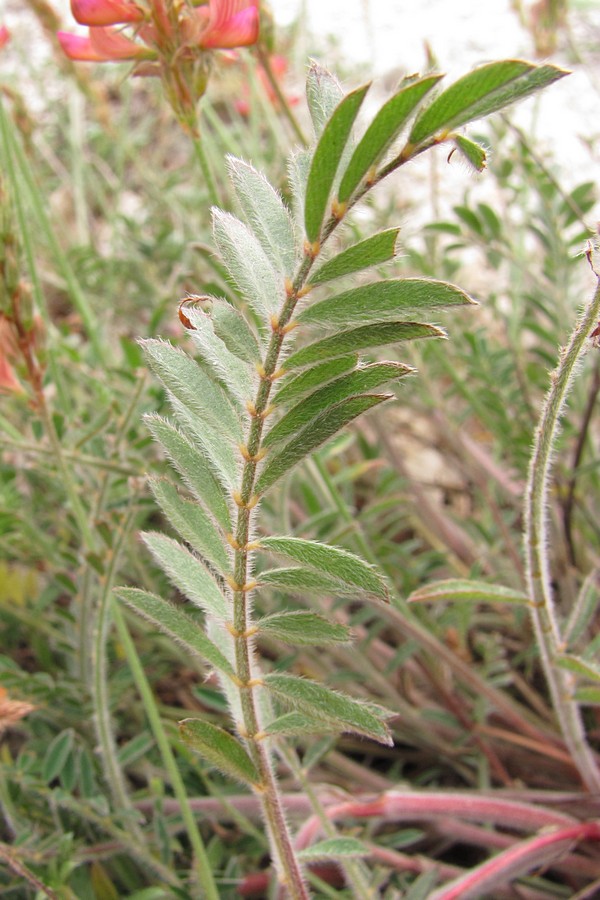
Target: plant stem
203 867
202 158
537 547
281 98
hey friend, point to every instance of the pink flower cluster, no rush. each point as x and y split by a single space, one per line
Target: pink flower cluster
158 25
4 36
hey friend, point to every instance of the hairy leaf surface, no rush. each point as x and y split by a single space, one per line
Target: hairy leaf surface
321 702
334 561
364 338
220 748
187 573
175 623
312 378
326 160
193 467
373 251
382 132
359 381
383 300
312 436
303 627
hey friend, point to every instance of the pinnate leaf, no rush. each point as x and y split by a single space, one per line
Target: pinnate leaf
364 338
295 723
333 561
313 435
187 573
321 702
460 590
312 378
231 326
175 623
266 213
363 379
382 300
485 90
382 132
326 160
194 468
373 251
193 524
225 367
298 627
220 748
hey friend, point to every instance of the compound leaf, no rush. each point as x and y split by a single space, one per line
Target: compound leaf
315 377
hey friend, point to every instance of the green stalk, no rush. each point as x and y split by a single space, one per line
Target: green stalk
537 550
202 864
202 159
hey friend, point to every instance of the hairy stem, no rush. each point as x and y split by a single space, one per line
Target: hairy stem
537 551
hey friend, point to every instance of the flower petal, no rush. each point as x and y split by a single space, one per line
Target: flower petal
105 12
112 44
4 35
78 47
231 23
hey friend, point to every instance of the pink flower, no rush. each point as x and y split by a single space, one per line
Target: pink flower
228 23
105 12
101 45
4 36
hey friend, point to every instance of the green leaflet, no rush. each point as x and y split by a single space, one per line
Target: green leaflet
333 561
315 434
460 590
301 581
373 251
326 160
295 723
193 467
298 169
225 367
584 667
261 285
193 524
188 574
485 90
321 702
234 331
323 93
198 393
365 338
311 378
359 381
382 132
175 623
266 214
382 300
299 627
335 848
221 455
474 153
220 748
